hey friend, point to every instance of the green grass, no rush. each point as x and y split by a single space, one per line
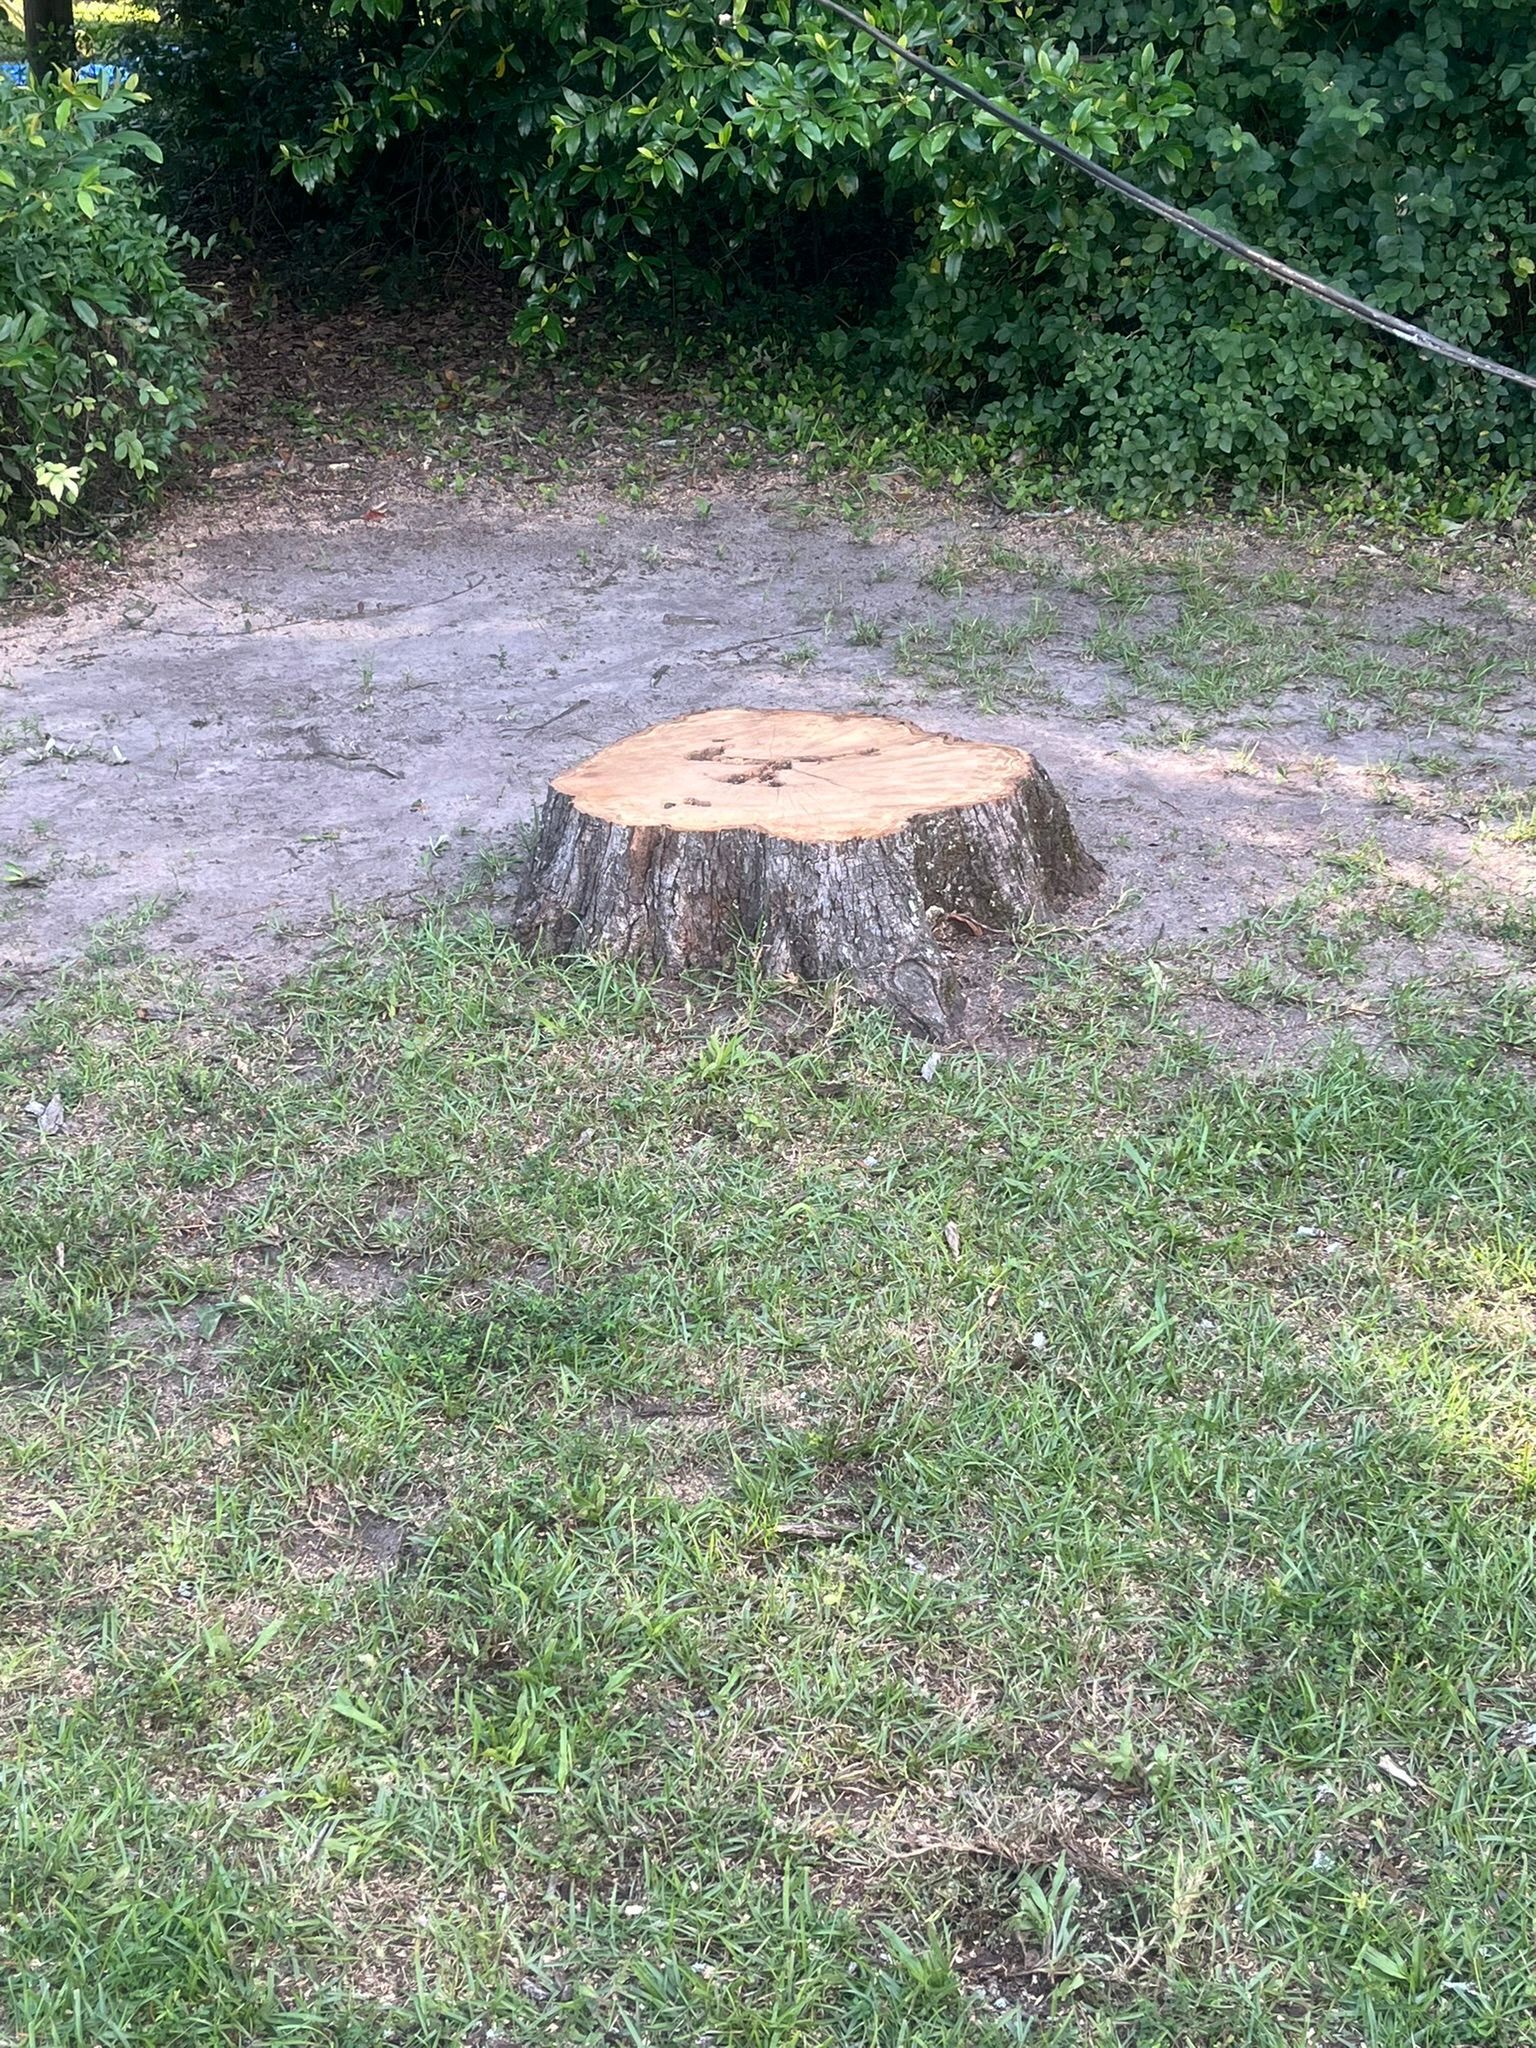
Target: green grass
1356 900
1208 637
1519 813
535 1511
1228 647
985 658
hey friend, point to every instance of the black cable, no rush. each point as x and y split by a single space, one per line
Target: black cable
1258 259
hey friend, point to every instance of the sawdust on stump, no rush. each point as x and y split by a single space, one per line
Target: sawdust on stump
837 844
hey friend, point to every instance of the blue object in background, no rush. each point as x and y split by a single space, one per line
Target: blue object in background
109 74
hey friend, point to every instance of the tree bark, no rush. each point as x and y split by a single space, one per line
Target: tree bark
837 846
49 26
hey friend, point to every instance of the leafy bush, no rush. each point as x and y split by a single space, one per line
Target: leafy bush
101 342
230 85
1387 147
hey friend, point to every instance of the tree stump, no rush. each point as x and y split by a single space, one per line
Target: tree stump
838 844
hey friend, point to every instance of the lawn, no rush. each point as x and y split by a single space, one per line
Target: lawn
542 1509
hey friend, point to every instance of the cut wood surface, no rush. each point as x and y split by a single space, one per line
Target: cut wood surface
837 843
805 775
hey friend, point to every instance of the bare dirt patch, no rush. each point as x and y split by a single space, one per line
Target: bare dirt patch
268 714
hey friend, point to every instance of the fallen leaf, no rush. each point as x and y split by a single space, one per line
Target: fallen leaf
1389 1767
952 1239
49 1114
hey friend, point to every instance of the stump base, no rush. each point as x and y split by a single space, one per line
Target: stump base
836 844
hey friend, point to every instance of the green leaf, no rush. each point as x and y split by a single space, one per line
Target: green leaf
1384 1965
343 1704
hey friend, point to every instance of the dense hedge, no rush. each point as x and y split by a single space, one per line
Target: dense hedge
101 342
1390 148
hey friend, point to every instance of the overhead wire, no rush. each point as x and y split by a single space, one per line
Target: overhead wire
1218 238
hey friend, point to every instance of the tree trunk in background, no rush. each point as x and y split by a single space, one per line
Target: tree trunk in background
50 31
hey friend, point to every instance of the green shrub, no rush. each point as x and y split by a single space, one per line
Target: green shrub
701 148
102 344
